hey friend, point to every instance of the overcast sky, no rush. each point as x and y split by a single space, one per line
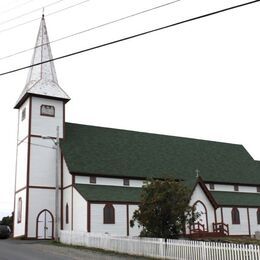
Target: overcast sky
199 80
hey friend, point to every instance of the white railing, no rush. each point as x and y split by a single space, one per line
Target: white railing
157 248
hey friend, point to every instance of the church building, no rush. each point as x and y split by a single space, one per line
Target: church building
88 178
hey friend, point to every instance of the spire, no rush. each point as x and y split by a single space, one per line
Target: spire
42 79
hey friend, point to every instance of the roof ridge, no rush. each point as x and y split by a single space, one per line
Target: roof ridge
164 135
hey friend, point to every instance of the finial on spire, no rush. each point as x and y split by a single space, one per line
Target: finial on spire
43 12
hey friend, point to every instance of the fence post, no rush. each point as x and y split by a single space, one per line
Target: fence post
203 251
161 247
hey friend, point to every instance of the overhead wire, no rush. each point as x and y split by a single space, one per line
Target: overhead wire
15 7
35 19
30 12
133 36
93 28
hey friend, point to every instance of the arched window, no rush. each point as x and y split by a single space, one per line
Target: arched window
109 214
235 216
19 210
258 216
67 213
200 208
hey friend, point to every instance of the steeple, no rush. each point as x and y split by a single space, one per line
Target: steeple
42 79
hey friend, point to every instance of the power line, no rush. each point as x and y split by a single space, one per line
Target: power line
68 7
132 36
30 12
18 25
15 7
52 13
92 28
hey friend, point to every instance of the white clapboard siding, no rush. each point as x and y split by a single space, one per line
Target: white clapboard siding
158 248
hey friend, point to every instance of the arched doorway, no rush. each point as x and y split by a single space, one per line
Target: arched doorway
200 207
44 226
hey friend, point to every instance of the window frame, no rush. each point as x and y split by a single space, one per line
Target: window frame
235 216
258 216
109 214
44 114
211 186
19 210
126 182
93 179
23 116
67 213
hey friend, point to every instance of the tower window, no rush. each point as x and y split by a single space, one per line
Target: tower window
47 110
23 114
109 214
19 211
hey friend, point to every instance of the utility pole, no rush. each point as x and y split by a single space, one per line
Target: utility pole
57 185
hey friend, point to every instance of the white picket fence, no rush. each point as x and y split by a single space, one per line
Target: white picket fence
157 248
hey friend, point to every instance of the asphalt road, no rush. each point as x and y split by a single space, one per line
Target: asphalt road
43 250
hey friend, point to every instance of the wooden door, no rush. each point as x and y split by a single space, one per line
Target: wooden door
45 225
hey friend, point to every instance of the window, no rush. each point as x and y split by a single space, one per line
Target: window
236 188
67 214
92 179
109 214
258 188
235 216
258 216
126 182
47 110
19 211
211 186
23 114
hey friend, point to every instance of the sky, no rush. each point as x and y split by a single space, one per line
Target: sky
199 80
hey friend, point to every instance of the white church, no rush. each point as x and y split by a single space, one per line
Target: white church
88 178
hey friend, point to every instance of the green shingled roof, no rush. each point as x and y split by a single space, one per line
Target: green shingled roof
113 152
225 198
109 193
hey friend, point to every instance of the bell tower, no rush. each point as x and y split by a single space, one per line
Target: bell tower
41 110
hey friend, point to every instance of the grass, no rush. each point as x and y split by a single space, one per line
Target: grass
98 250
235 240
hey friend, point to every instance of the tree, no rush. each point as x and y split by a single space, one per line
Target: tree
8 221
164 209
